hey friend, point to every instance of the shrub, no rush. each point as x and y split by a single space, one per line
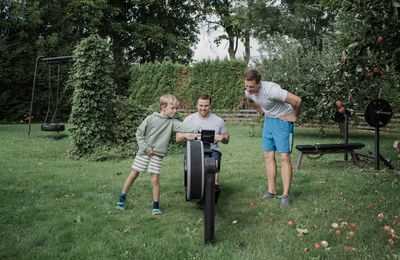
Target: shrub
91 119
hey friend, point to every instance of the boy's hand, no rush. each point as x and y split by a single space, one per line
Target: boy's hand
150 152
190 137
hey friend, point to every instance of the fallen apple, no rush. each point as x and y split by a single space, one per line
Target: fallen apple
338 232
335 225
352 233
252 203
387 228
324 244
271 220
290 223
380 215
391 241
353 224
316 245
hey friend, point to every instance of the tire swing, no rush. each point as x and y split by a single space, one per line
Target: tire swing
52 107
199 178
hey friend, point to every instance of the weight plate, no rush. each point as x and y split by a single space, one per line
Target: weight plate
378 113
195 172
338 117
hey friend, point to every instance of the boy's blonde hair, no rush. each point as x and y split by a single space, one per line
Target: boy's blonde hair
168 99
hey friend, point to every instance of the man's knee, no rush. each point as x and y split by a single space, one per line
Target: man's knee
285 157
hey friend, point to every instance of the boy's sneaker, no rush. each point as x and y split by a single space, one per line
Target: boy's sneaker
267 195
285 201
157 212
121 205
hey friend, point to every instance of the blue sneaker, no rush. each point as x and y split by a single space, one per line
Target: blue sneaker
157 212
121 205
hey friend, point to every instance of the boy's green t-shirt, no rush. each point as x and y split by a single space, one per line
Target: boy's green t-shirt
155 131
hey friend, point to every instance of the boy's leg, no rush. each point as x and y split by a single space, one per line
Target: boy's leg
130 180
154 170
155 181
121 204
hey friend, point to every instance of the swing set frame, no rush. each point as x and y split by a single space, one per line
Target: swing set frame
52 126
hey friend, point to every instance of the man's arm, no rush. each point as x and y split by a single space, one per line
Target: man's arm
255 106
224 138
295 101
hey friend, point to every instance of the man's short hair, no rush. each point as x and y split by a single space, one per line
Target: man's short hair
252 74
168 99
203 96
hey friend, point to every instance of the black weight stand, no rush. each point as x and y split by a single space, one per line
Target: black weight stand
377 156
377 114
209 201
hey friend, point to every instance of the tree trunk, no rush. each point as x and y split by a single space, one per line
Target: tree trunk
246 56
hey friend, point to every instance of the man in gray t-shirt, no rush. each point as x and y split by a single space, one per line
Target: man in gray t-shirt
207 120
280 109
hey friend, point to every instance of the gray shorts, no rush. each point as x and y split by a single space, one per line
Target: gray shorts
143 162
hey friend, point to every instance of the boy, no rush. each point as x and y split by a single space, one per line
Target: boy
152 137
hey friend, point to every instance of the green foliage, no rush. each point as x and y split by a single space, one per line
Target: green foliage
223 80
303 70
367 51
128 116
138 31
150 81
91 118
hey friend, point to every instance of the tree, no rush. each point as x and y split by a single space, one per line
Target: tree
138 31
368 52
221 13
303 21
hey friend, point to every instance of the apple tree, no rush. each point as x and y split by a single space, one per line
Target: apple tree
367 48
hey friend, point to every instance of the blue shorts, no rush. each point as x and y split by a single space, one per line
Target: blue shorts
277 135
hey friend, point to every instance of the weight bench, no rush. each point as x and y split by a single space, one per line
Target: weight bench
322 149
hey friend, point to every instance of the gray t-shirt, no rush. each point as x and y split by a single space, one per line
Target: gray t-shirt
212 122
271 98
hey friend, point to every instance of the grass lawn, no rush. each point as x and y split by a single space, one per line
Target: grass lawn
56 208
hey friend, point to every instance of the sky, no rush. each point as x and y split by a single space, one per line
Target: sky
206 49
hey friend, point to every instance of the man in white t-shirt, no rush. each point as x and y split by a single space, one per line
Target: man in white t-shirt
207 120
280 109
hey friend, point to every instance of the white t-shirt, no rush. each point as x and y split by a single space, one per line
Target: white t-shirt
212 122
271 98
